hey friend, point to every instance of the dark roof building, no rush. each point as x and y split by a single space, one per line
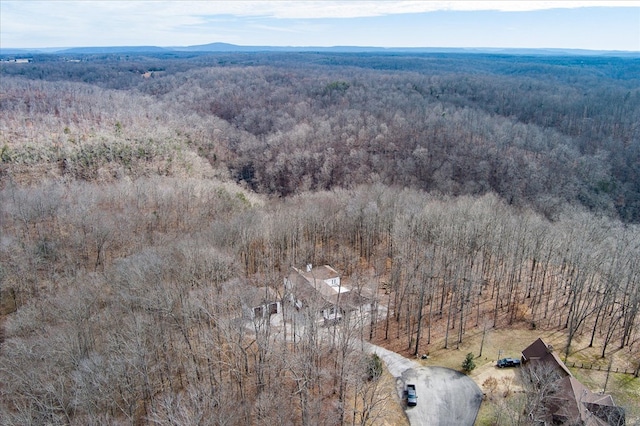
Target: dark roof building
539 351
572 402
575 404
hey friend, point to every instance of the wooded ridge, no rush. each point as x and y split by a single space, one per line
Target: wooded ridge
538 131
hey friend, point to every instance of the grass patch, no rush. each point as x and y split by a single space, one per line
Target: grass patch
498 343
486 415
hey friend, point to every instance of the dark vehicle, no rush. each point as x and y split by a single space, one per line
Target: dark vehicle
412 398
508 362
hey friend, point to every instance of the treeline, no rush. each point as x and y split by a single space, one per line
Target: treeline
539 132
133 296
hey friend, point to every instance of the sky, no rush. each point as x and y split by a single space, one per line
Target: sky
593 25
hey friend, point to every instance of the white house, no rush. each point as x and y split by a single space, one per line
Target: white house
320 288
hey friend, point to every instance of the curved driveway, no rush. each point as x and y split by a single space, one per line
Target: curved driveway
445 396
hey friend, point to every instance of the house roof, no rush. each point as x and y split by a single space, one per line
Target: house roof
573 401
317 276
306 281
536 350
256 296
323 272
539 351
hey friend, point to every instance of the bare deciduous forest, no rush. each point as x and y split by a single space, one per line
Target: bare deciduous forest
147 202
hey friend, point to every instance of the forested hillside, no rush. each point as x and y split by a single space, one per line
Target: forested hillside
145 200
538 131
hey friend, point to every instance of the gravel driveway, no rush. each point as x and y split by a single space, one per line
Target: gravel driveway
445 396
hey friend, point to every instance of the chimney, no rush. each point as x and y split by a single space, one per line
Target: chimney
309 267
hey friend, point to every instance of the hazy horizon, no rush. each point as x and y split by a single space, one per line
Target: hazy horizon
586 25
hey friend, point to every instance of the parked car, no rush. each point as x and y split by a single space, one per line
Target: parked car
508 362
412 398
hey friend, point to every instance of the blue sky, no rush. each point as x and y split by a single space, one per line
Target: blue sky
595 25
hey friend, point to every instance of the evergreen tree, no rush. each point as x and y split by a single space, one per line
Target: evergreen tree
468 365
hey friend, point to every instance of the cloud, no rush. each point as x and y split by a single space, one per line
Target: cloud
359 9
42 23
301 9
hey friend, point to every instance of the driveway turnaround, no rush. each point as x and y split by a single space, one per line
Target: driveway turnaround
445 397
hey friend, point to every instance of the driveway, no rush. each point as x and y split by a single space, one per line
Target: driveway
445 397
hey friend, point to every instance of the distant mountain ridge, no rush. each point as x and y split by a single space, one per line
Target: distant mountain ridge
114 49
228 48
